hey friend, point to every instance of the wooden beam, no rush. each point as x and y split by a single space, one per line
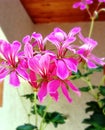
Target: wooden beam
1 93
46 11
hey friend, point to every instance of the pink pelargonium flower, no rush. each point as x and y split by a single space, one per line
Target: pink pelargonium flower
85 51
62 41
39 40
44 67
65 85
11 63
82 4
40 64
101 1
35 39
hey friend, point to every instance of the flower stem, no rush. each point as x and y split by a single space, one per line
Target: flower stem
42 121
91 87
91 26
92 18
35 107
102 81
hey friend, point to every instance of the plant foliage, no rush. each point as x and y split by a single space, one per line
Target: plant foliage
26 127
96 121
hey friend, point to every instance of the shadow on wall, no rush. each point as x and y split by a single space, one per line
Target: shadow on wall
14 21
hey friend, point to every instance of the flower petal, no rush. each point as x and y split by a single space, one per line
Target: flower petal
54 41
89 44
71 64
73 87
62 71
91 64
28 50
55 96
101 0
76 5
53 86
97 60
42 91
74 31
16 46
6 47
33 64
44 63
38 37
33 80
3 73
83 6
65 92
83 54
14 80
39 40
68 41
59 34
57 37
22 72
26 39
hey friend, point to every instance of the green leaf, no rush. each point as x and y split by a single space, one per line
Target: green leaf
55 118
40 109
98 69
29 96
96 120
89 72
76 75
26 127
102 102
84 89
91 128
102 90
92 106
87 121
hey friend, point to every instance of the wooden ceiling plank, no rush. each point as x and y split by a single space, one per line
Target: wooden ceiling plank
42 11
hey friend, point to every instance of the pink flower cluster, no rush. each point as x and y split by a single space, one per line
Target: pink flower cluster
83 4
44 69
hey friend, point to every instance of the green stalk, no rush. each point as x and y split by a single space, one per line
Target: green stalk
92 18
91 26
91 87
102 81
45 112
35 107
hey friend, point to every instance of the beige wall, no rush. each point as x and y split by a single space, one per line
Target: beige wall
14 20
15 23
